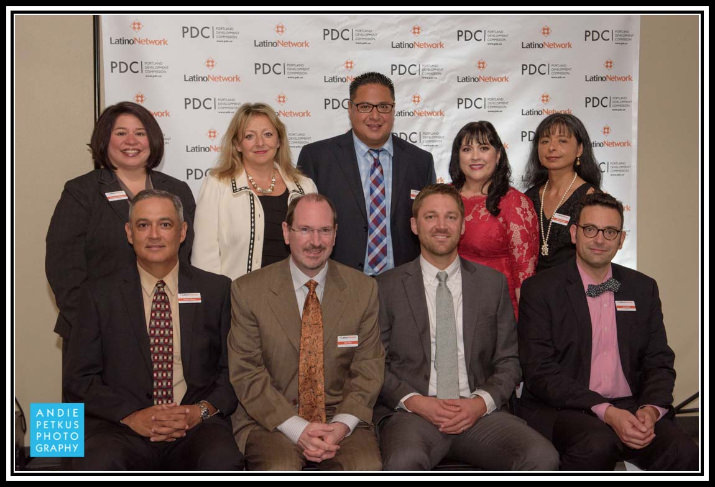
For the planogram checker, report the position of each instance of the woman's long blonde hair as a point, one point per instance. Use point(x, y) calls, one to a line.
point(230, 162)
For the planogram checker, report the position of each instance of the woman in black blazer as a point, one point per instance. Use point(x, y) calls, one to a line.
point(86, 238)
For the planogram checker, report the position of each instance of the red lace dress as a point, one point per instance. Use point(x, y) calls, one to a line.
point(508, 243)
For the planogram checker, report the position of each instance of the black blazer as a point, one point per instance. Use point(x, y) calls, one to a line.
point(87, 240)
point(109, 366)
point(332, 165)
point(489, 334)
point(555, 340)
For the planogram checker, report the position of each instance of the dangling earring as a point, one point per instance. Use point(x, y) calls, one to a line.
point(578, 161)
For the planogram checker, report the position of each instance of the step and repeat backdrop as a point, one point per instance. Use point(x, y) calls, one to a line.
point(194, 71)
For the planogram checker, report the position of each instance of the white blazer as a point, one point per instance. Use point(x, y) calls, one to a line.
point(229, 224)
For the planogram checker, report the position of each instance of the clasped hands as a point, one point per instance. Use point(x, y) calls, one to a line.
point(164, 422)
point(634, 430)
point(451, 416)
point(321, 441)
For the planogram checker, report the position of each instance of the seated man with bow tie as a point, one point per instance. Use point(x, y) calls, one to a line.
point(304, 353)
point(598, 372)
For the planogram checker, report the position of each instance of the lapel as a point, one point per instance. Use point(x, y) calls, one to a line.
point(283, 303)
point(577, 300)
point(470, 310)
point(108, 183)
point(625, 320)
point(399, 179)
point(415, 291)
point(333, 303)
point(348, 163)
point(131, 292)
point(189, 315)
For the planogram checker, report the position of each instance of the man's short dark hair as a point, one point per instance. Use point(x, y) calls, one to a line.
point(158, 193)
point(437, 188)
point(371, 78)
point(598, 198)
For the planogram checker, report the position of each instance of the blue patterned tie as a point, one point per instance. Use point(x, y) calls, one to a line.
point(377, 217)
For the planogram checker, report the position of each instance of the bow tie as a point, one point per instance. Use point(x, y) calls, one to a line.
point(595, 290)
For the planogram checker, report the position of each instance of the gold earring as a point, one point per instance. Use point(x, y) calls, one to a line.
point(578, 161)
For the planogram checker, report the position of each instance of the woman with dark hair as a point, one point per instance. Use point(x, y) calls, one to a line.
point(86, 238)
point(500, 222)
point(560, 171)
point(243, 200)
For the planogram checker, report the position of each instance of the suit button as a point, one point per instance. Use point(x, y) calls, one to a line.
point(360, 264)
point(148, 396)
point(364, 229)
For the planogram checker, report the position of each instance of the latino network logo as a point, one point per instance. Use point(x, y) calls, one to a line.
point(202, 147)
point(348, 66)
point(481, 76)
point(210, 63)
point(282, 100)
point(545, 41)
point(609, 141)
point(416, 31)
point(139, 98)
point(545, 104)
point(608, 76)
point(417, 112)
point(212, 134)
point(280, 30)
point(135, 39)
point(481, 65)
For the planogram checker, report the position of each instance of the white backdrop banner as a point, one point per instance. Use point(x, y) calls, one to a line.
point(194, 71)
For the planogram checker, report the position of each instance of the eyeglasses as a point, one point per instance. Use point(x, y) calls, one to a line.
point(324, 232)
point(591, 231)
point(367, 107)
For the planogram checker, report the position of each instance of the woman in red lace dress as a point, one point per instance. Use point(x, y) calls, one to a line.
point(501, 227)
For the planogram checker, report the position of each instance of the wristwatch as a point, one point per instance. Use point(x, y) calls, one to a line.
point(204, 410)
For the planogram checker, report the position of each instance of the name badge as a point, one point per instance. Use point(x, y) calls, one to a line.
point(560, 219)
point(189, 298)
point(414, 193)
point(116, 196)
point(625, 305)
point(347, 341)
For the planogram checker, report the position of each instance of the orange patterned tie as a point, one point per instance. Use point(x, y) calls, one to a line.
point(311, 380)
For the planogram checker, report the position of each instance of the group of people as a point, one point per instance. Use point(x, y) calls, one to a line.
point(351, 314)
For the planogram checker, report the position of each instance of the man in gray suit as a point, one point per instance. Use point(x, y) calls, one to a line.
point(440, 306)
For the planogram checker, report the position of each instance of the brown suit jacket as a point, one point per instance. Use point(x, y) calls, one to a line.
point(264, 346)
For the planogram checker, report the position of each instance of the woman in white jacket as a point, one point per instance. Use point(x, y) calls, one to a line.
point(243, 200)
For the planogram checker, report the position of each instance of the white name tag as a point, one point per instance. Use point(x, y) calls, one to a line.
point(625, 305)
point(116, 196)
point(189, 298)
point(414, 193)
point(347, 341)
point(560, 219)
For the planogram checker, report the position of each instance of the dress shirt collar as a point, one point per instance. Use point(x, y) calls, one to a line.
point(148, 281)
point(586, 279)
point(362, 148)
point(429, 272)
point(299, 278)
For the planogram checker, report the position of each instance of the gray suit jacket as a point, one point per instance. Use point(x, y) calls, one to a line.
point(264, 346)
point(490, 340)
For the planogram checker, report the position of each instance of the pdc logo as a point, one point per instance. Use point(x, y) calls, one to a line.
point(126, 67)
point(193, 32)
point(464, 35)
point(337, 34)
point(336, 104)
point(199, 103)
point(268, 69)
point(598, 36)
point(597, 102)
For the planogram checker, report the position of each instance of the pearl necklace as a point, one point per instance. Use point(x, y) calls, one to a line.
point(258, 188)
point(545, 246)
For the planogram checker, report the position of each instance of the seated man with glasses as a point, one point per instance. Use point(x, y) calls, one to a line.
point(598, 371)
point(304, 353)
point(371, 176)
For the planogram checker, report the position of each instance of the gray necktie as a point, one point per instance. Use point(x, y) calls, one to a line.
point(446, 354)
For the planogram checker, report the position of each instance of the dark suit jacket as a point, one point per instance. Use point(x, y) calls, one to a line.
point(489, 334)
point(332, 165)
point(264, 346)
point(110, 367)
point(555, 341)
point(86, 238)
